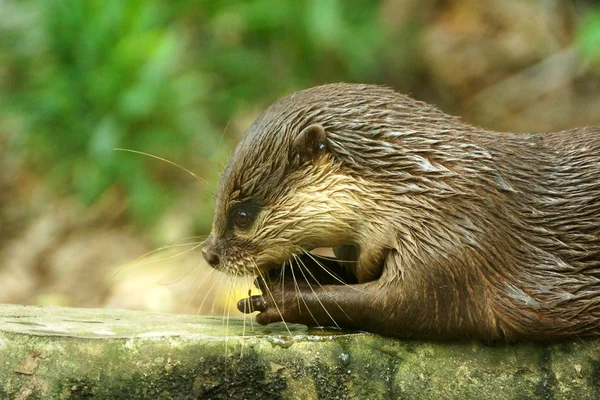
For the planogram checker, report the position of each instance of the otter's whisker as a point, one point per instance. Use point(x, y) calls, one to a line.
point(222, 135)
point(225, 321)
point(175, 243)
point(236, 285)
point(333, 258)
point(139, 264)
point(249, 283)
point(296, 287)
point(304, 267)
point(211, 276)
point(282, 287)
point(194, 284)
point(177, 280)
point(197, 245)
point(228, 309)
point(172, 245)
point(204, 182)
point(219, 290)
point(332, 274)
point(136, 264)
point(274, 302)
point(316, 280)
point(300, 297)
point(244, 327)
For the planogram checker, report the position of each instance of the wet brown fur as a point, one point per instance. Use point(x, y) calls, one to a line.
point(462, 232)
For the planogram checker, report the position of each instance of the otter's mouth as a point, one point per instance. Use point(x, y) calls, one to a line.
point(318, 266)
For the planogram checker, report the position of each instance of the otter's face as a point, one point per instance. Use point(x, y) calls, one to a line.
point(281, 194)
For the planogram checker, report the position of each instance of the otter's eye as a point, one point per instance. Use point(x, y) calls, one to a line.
point(241, 219)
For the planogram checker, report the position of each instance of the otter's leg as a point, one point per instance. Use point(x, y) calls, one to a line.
point(310, 304)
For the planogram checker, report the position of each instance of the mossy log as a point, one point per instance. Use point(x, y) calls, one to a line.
point(61, 353)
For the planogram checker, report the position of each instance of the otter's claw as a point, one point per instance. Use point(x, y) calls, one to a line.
point(251, 304)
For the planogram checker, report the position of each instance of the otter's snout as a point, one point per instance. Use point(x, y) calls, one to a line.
point(209, 251)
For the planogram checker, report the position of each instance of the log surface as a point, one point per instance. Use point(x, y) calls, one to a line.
point(62, 353)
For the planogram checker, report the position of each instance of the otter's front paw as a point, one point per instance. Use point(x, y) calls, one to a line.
point(273, 305)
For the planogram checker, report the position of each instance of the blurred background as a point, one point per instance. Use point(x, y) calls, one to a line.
point(183, 79)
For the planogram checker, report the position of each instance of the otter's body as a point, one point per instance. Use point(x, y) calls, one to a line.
point(449, 230)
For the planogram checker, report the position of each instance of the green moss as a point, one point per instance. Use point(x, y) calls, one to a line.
point(69, 354)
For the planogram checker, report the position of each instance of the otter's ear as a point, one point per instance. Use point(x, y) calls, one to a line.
point(311, 144)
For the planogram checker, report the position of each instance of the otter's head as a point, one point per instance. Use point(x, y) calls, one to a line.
point(319, 168)
point(282, 192)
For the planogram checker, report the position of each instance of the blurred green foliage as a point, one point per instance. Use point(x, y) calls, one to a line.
point(84, 77)
point(588, 36)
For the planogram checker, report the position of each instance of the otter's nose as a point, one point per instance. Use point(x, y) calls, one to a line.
point(211, 257)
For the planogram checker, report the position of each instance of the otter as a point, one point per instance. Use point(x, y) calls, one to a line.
point(441, 230)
